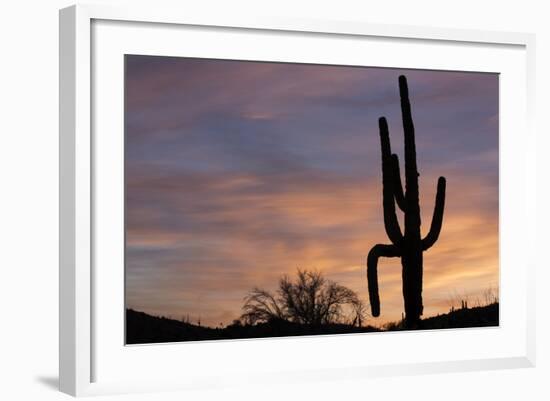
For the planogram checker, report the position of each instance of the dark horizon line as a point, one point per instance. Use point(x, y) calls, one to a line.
point(170, 317)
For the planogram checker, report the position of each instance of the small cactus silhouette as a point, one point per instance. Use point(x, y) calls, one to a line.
point(409, 246)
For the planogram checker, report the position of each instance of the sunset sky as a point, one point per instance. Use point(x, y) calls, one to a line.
point(238, 172)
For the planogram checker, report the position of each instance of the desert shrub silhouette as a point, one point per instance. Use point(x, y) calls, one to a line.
point(409, 245)
point(310, 299)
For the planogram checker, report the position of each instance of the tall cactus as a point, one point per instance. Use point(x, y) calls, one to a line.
point(409, 246)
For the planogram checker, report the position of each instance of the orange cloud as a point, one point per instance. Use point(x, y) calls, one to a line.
point(329, 225)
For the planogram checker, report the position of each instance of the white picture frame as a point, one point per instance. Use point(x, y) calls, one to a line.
point(86, 353)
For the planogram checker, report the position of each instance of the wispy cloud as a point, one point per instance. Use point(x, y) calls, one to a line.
point(238, 172)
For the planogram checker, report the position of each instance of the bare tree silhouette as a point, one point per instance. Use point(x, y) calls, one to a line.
point(311, 299)
point(409, 246)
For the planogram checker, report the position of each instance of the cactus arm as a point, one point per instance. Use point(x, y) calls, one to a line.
point(437, 219)
point(377, 251)
point(397, 185)
point(391, 223)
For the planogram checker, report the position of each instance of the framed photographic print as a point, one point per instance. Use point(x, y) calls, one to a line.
point(273, 187)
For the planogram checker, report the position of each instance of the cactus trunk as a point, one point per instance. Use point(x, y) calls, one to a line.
point(411, 261)
point(409, 246)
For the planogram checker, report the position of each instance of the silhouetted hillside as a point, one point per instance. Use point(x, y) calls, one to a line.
point(480, 316)
point(142, 328)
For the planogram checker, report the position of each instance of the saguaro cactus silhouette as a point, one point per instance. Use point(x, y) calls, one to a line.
point(409, 245)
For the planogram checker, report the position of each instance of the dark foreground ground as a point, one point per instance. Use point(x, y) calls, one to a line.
point(142, 328)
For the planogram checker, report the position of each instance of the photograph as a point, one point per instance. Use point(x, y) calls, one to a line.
point(273, 199)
